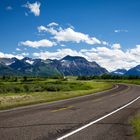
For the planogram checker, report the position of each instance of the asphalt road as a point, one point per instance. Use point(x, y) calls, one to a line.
point(54, 120)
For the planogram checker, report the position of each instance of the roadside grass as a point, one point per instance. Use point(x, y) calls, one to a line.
point(46, 91)
point(19, 93)
point(136, 126)
point(135, 122)
point(137, 81)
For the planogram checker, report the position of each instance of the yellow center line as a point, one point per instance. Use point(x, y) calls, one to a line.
point(113, 95)
point(64, 108)
point(96, 100)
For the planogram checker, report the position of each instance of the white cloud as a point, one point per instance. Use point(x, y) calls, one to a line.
point(116, 46)
point(69, 35)
point(33, 7)
point(118, 31)
point(109, 58)
point(18, 49)
point(42, 29)
point(57, 55)
point(37, 44)
point(9, 8)
point(105, 43)
point(25, 54)
point(7, 55)
point(52, 24)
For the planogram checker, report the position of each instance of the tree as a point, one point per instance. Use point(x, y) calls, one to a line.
point(24, 78)
point(3, 77)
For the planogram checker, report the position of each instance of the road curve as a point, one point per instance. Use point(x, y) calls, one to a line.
point(54, 120)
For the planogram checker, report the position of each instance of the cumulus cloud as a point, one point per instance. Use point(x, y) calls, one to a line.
point(116, 46)
point(58, 54)
point(69, 35)
point(105, 43)
point(42, 29)
point(37, 44)
point(52, 24)
point(33, 7)
point(7, 55)
point(109, 58)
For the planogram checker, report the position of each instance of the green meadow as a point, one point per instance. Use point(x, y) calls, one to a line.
point(25, 91)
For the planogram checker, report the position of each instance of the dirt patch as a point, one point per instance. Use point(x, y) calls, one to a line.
point(16, 98)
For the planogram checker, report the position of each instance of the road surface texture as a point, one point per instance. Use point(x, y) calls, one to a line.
point(54, 120)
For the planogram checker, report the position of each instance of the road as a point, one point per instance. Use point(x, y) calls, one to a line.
point(55, 120)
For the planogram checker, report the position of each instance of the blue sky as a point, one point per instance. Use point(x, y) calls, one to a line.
point(100, 30)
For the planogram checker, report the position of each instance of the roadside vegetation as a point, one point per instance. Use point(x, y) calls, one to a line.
point(112, 79)
point(109, 77)
point(136, 126)
point(18, 91)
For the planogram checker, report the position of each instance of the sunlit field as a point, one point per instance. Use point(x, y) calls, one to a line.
point(24, 90)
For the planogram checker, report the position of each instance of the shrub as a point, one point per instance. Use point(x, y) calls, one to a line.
point(53, 87)
point(26, 88)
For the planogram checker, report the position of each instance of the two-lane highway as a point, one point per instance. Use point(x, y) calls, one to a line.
point(75, 118)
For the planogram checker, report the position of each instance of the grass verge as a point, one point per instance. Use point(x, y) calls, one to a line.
point(136, 126)
point(67, 89)
point(137, 81)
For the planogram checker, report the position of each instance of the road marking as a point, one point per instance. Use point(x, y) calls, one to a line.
point(64, 108)
point(96, 100)
point(100, 99)
point(91, 123)
point(113, 95)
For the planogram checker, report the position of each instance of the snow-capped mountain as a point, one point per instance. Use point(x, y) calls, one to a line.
point(69, 65)
point(119, 72)
point(75, 65)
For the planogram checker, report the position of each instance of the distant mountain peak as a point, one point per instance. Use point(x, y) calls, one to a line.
point(69, 57)
point(74, 58)
point(28, 60)
point(119, 72)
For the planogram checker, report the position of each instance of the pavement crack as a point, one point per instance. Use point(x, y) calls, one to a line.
point(20, 126)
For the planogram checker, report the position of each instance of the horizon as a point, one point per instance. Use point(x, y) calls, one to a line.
point(102, 31)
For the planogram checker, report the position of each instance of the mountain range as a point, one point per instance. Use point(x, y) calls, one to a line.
point(69, 65)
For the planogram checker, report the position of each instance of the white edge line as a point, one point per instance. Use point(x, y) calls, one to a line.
point(89, 124)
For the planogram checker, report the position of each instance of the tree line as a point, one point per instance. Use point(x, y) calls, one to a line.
point(5, 78)
point(109, 76)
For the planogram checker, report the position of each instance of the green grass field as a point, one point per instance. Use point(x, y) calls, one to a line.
point(19, 93)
